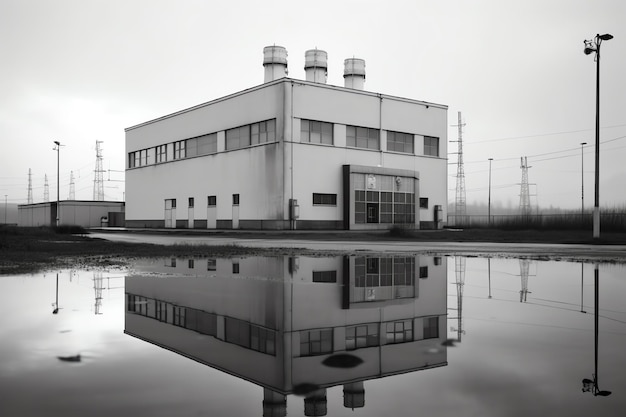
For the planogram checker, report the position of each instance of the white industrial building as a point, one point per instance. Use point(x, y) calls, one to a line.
point(291, 154)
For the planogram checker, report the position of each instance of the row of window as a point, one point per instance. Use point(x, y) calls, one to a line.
point(318, 199)
point(320, 341)
point(384, 207)
point(237, 331)
point(311, 131)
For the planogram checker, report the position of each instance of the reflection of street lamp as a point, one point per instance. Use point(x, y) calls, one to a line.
point(5, 209)
point(582, 181)
point(582, 283)
point(57, 148)
point(56, 303)
point(594, 46)
point(489, 199)
point(591, 385)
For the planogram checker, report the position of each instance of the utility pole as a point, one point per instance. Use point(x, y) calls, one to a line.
point(58, 149)
point(524, 196)
point(98, 179)
point(30, 187)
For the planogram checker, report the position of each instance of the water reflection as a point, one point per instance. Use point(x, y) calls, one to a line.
point(296, 325)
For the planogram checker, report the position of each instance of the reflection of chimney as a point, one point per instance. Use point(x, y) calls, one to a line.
point(274, 404)
point(354, 73)
point(315, 403)
point(354, 395)
point(316, 65)
point(274, 62)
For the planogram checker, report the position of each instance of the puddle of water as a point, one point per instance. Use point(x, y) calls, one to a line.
point(316, 336)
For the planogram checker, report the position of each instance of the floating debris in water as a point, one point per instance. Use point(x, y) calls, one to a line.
point(75, 358)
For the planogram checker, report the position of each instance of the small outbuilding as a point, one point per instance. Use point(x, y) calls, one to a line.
point(72, 212)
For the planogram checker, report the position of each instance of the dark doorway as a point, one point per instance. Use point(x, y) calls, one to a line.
point(372, 212)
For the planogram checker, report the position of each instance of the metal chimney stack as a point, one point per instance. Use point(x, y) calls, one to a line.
point(274, 62)
point(354, 73)
point(316, 65)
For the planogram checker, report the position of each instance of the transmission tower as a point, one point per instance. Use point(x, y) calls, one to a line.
point(98, 180)
point(30, 187)
point(524, 196)
point(72, 187)
point(46, 189)
point(459, 202)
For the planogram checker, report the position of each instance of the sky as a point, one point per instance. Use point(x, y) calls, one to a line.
point(81, 71)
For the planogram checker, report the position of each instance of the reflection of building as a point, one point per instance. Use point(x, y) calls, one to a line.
point(291, 154)
point(277, 327)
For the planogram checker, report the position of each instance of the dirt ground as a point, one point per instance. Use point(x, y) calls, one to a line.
point(33, 250)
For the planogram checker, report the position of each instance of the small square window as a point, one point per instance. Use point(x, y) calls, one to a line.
point(423, 203)
point(235, 199)
point(211, 201)
point(191, 202)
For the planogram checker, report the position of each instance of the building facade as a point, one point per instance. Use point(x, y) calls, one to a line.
point(291, 154)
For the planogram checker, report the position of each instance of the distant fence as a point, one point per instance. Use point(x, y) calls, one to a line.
point(609, 221)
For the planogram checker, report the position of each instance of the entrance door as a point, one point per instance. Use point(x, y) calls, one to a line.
point(372, 212)
point(235, 211)
point(170, 213)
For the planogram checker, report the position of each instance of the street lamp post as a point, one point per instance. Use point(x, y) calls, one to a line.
point(594, 46)
point(489, 198)
point(5, 209)
point(582, 181)
point(58, 148)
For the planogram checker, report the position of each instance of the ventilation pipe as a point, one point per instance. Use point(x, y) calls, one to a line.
point(354, 73)
point(316, 65)
point(274, 62)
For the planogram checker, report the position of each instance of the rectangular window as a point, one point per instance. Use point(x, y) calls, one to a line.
point(399, 142)
point(207, 144)
point(191, 263)
point(161, 153)
point(235, 267)
point(191, 200)
point(324, 199)
point(131, 160)
point(212, 201)
point(324, 276)
point(360, 207)
point(423, 203)
point(362, 336)
point(431, 146)
point(161, 310)
point(316, 342)
point(431, 327)
point(179, 149)
point(362, 137)
point(399, 331)
point(316, 132)
point(179, 316)
point(235, 199)
point(238, 137)
point(263, 132)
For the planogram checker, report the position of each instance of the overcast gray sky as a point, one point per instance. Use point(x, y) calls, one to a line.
point(78, 71)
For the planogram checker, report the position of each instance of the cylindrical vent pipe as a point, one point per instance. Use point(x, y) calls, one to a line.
point(354, 73)
point(316, 65)
point(274, 62)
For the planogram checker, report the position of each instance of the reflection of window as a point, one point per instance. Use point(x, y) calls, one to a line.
point(161, 311)
point(236, 268)
point(179, 316)
point(316, 342)
point(431, 327)
point(399, 331)
point(211, 265)
point(365, 335)
point(423, 272)
point(191, 263)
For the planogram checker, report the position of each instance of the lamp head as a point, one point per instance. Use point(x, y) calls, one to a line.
point(56, 142)
point(589, 50)
point(606, 37)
